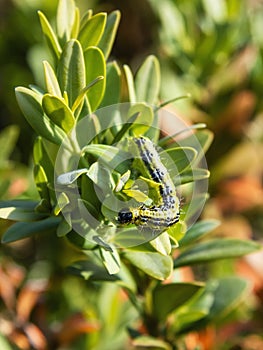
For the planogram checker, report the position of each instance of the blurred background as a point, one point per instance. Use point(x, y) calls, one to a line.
point(210, 49)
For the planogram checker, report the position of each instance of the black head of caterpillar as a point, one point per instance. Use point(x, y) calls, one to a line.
point(166, 211)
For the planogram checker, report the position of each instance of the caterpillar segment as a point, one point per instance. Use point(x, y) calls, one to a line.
point(166, 212)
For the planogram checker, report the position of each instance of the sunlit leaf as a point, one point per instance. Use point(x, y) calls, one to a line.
point(153, 264)
point(57, 110)
point(92, 30)
point(50, 36)
point(51, 81)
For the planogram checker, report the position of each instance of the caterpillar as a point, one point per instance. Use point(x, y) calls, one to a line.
point(165, 213)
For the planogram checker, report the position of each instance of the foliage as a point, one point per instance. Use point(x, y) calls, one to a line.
point(78, 151)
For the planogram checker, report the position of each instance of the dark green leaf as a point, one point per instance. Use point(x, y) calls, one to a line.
point(198, 230)
point(18, 212)
point(168, 297)
point(108, 37)
point(215, 249)
point(22, 230)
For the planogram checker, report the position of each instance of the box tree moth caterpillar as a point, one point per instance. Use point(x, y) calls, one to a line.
point(165, 213)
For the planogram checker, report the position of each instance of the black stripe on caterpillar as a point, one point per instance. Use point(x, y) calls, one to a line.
point(166, 212)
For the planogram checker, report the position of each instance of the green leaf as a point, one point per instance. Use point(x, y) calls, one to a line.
point(109, 34)
point(41, 182)
point(214, 250)
point(229, 293)
point(153, 264)
point(57, 110)
point(8, 138)
point(196, 309)
point(130, 83)
point(95, 67)
point(71, 176)
point(147, 81)
point(169, 297)
point(71, 70)
point(22, 230)
point(152, 343)
point(50, 37)
point(200, 140)
point(18, 213)
point(90, 271)
point(84, 19)
point(51, 81)
point(81, 97)
point(63, 228)
point(65, 19)
point(92, 31)
point(111, 156)
point(113, 85)
point(198, 230)
point(178, 159)
point(62, 202)
point(191, 175)
point(111, 260)
point(30, 105)
point(42, 157)
point(162, 244)
point(143, 120)
point(100, 176)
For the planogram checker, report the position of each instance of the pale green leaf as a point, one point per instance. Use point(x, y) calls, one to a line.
point(65, 19)
point(71, 70)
